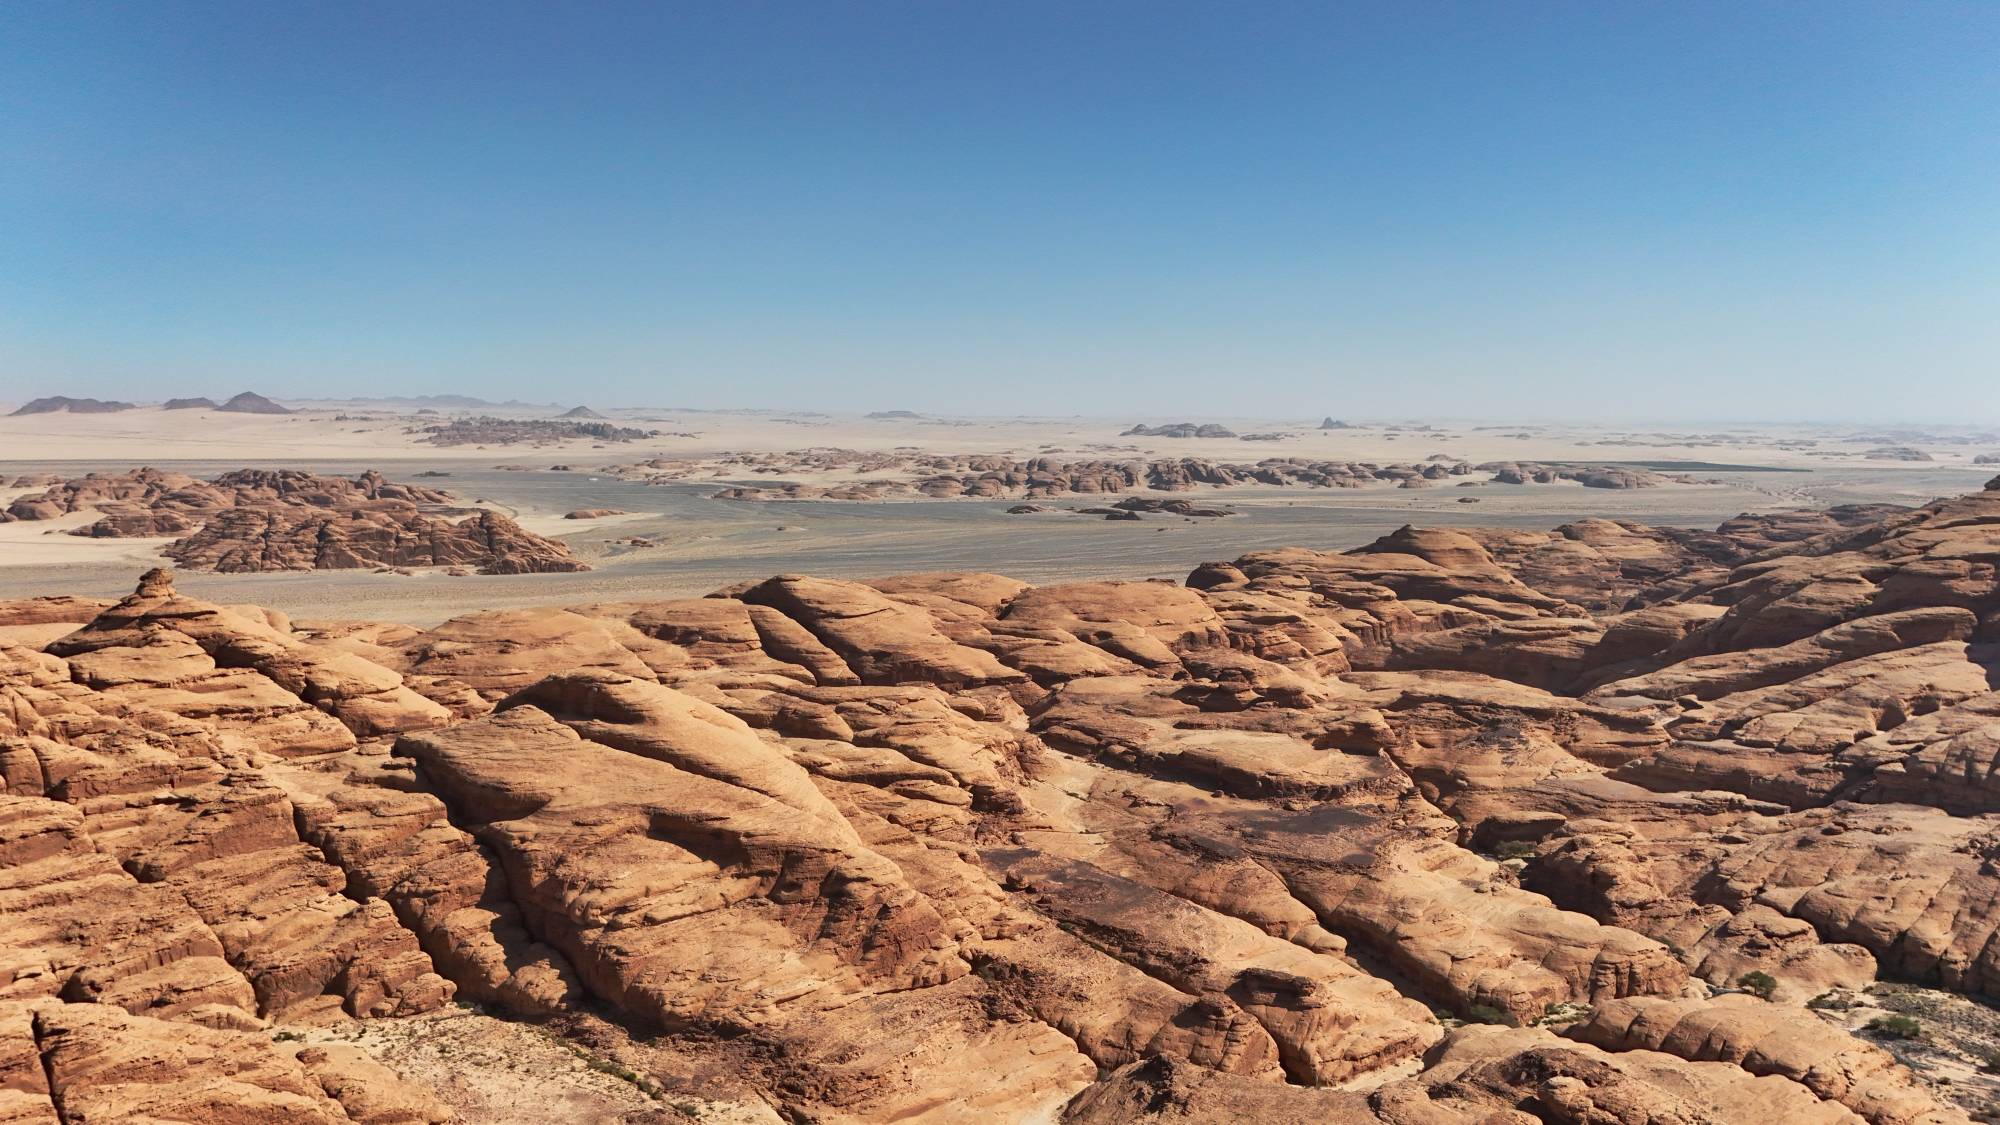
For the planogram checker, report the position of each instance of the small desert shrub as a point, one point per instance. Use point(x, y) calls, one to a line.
point(1562, 1014)
point(1895, 1027)
point(1758, 984)
point(1829, 1002)
point(1515, 849)
point(1487, 1013)
point(614, 1068)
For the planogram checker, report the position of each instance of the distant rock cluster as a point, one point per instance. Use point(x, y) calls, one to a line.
point(516, 431)
point(1180, 430)
point(989, 477)
point(1589, 476)
point(1001, 478)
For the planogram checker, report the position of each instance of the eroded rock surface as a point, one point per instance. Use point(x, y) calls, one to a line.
point(1464, 826)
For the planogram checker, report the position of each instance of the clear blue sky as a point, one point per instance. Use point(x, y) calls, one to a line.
point(1612, 208)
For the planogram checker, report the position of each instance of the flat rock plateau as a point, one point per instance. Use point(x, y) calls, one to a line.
point(1609, 824)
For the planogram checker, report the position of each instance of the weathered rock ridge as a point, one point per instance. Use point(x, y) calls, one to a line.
point(288, 519)
point(1461, 827)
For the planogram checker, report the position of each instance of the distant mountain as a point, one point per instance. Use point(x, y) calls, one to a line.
point(1334, 424)
point(581, 412)
point(63, 404)
point(188, 404)
point(250, 402)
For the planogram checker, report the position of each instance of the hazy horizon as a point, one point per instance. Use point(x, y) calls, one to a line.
point(1152, 417)
point(1685, 215)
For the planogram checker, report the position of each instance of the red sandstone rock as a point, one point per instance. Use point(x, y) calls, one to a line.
point(286, 519)
point(949, 846)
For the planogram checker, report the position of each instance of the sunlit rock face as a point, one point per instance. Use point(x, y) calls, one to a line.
point(1311, 836)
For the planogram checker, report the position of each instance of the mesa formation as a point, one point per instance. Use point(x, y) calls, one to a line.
point(1606, 824)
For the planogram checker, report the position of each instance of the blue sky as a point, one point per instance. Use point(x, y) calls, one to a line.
point(1511, 210)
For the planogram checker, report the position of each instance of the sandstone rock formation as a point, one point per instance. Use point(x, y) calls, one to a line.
point(1463, 826)
point(288, 519)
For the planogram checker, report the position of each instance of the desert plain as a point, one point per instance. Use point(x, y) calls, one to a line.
point(399, 762)
point(693, 543)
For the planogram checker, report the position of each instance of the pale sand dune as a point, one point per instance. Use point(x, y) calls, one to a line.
point(47, 543)
point(35, 636)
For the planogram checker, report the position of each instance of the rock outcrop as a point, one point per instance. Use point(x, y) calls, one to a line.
point(1462, 826)
point(529, 431)
point(288, 519)
point(1180, 430)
